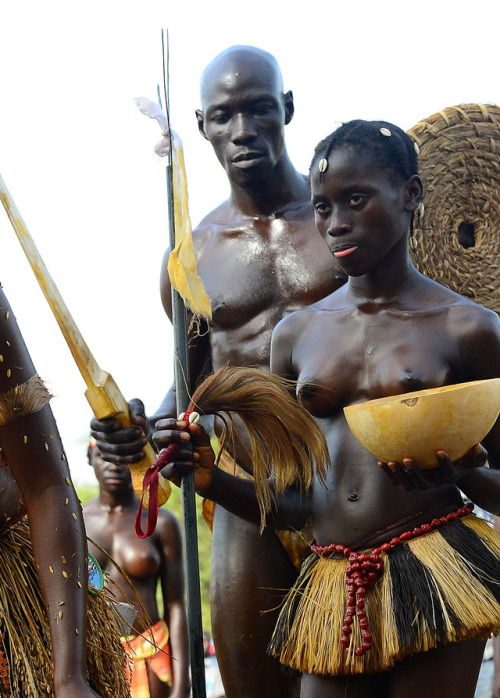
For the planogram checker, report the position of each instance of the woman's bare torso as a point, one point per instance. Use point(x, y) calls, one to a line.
point(139, 559)
point(349, 353)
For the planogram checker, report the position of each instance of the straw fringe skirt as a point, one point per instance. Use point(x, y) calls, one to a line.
point(26, 667)
point(439, 588)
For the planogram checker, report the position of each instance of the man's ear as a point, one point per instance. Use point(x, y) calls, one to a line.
point(289, 106)
point(414, 193)
point(200, 118)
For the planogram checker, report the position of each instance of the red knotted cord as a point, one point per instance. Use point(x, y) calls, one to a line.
point(364, 569)
point(151, 481)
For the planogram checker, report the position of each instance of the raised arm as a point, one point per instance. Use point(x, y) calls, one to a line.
point(31, 446)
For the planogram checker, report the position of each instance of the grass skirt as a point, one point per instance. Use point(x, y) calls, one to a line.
point(26, 667)
point(438, 588)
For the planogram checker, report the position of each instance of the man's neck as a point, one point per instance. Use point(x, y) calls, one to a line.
point(285, 189)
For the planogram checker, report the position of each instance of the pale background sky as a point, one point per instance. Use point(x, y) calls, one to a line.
point(78, 157)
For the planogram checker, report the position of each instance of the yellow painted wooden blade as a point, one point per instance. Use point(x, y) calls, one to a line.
point(102, 393)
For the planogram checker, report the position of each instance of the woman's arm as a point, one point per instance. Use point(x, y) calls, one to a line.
point(236, 495)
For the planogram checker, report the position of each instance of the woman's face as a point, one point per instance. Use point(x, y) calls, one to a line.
point(360, 210)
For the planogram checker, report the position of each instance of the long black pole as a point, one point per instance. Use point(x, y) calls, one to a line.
point(190, 538)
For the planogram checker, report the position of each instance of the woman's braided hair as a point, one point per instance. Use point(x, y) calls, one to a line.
point(394, 153)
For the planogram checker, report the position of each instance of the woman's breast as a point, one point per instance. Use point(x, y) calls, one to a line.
point(139, 559)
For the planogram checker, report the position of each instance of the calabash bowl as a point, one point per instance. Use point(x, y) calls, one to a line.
point(415, 425)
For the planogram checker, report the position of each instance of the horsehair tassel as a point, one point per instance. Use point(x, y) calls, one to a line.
point(286, 442)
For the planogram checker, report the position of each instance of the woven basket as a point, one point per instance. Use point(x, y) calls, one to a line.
point(458, 234)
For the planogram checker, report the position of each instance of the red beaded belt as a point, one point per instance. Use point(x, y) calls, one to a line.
point(364, 569)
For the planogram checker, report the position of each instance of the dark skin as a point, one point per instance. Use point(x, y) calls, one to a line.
point(260, 258)
point(110, 519)
point(389, 330)
point(46, 494)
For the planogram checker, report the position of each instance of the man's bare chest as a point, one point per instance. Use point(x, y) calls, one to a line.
point(249, 273)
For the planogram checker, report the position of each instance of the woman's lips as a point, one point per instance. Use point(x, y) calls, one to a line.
point(346, 251)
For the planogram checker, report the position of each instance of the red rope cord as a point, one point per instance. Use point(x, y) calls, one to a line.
point(151, 480)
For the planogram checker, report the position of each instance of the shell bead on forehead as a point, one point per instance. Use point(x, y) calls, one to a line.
point(322, 165)
point(385, 131)
point(416, 148)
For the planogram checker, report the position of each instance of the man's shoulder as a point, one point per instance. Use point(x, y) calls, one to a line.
point(218, 217)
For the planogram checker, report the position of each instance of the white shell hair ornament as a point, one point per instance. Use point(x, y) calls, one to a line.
point(416, 148)
point(385, 131)
point(322, 165)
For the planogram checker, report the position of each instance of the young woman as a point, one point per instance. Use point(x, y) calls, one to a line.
point(158, 645)
point(403, 584)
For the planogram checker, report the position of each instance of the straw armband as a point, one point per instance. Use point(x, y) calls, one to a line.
point(23, 400)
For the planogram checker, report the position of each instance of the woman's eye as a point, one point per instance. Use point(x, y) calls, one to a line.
point(356, 199)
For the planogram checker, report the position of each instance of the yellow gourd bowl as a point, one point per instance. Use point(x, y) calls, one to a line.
point(416, 425)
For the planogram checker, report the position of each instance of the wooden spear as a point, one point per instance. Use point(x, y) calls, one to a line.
point(103, 394)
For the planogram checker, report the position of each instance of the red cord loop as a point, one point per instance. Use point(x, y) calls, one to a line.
point(151, 480)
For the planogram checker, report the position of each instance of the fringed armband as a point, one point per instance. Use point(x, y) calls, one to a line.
point(24, 399)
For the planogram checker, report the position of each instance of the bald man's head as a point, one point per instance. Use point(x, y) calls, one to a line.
point(229, 64)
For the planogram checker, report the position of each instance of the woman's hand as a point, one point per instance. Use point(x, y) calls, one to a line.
point(194, 456)
point(411, 477)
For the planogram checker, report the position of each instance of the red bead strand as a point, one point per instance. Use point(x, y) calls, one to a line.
point(364, 569)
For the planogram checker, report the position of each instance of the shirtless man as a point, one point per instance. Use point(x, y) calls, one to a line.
point(109, 520)
point(259, 257)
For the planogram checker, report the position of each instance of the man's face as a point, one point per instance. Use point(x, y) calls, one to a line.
point(244, 114)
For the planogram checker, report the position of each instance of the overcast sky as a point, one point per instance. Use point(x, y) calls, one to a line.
point(78, 157)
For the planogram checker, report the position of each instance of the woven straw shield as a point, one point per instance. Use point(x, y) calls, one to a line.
point(458, 233)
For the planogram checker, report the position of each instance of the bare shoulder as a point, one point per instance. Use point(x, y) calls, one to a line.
point(91, 507)
point(219, 218)
point(168, 524)
point(300, 320)
point(469, 319)
point(477, 331)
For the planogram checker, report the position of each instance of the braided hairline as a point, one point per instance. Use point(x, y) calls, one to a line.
point(395, 152)
point(23, 400)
